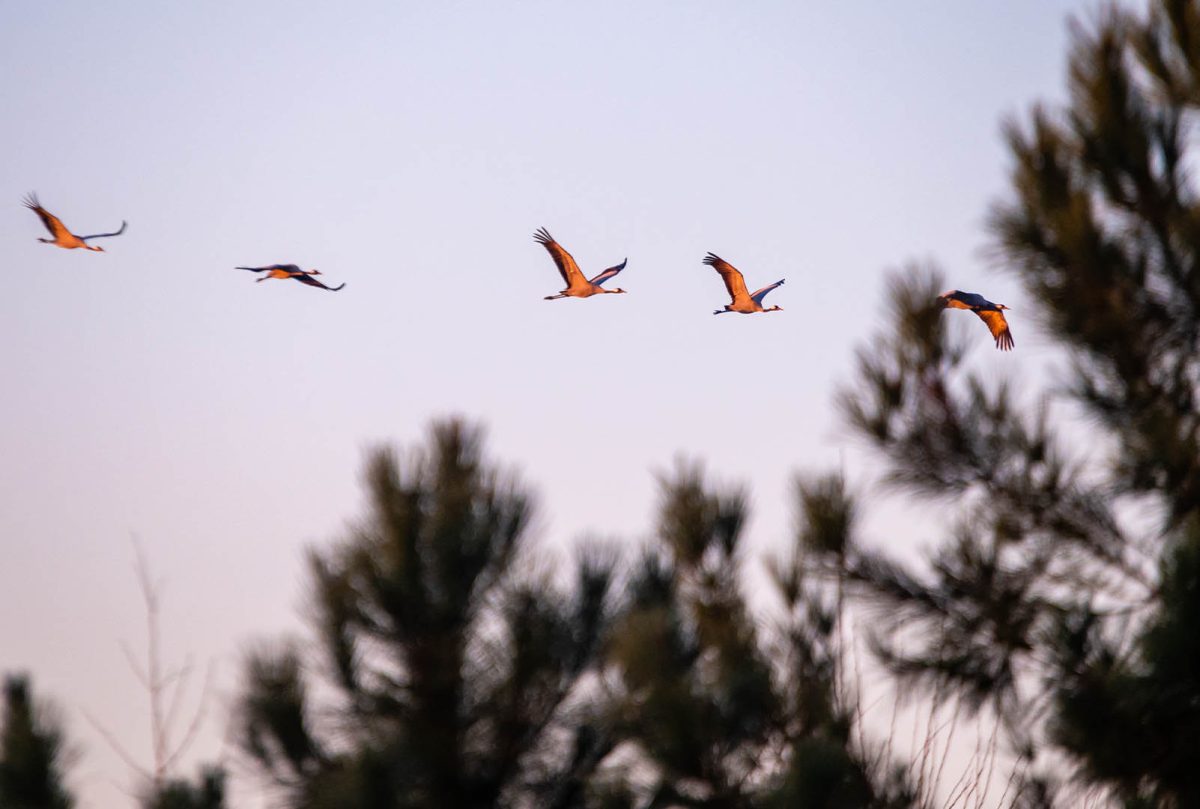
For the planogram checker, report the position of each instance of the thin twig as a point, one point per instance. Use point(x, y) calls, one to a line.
point(197, 720)
point(115, 745)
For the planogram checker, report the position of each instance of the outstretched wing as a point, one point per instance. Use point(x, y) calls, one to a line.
point(998, 326)
point(562, 259)
point(284, 267)
point(313, 282)
point(53, 223)
point(956, 299)
point(104, 235)
point(734, 283)
point(609, 273)
point(762, 293)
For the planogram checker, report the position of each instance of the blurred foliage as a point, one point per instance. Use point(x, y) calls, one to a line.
point(207, 793)
point(33, 754)
point(449, 671)
point(1054, 600)
point(455, 676)
point(722, 710)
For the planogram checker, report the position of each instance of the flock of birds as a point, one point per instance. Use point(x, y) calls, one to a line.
point(578, 285)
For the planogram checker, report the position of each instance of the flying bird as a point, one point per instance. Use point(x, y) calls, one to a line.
point(63, 237)
point(577, 285)
point(990, 313)
point(291, 271)
point(742, 301)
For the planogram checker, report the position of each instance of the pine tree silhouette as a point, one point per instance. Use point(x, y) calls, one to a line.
point(33, 755)
point(457, 672)
point(1064, 596)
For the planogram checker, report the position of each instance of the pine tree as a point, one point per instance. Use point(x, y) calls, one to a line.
point(456, 673)
point(208, 792)
point(32, 752)
point(1066, 594)
point(724, 711)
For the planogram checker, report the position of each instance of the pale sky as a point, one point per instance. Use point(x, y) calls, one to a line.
point(410, 150)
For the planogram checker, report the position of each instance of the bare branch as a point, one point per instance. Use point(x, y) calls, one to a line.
point(116, 746)
point(134, 666)
point(197, 720)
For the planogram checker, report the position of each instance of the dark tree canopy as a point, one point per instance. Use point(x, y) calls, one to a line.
point(449, 674)
point(208, 792)
point(457, 675)
point(32, 752)
point(1055, 599)
point(725, 710)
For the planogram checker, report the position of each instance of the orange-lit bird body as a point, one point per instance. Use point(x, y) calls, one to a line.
point(63, 237)
point(741, 301)
point(992, 314)
point(577, 285)
point(282, 271)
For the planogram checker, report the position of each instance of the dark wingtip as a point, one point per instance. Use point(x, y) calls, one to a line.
point(542, 236)
point(711, 258)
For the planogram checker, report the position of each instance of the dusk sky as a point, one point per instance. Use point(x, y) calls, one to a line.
point(410, 151)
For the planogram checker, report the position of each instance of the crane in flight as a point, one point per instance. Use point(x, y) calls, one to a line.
point(291, 271)
point(992, 314)
point(63, 237)
point(741, 300)
point(577, 285)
